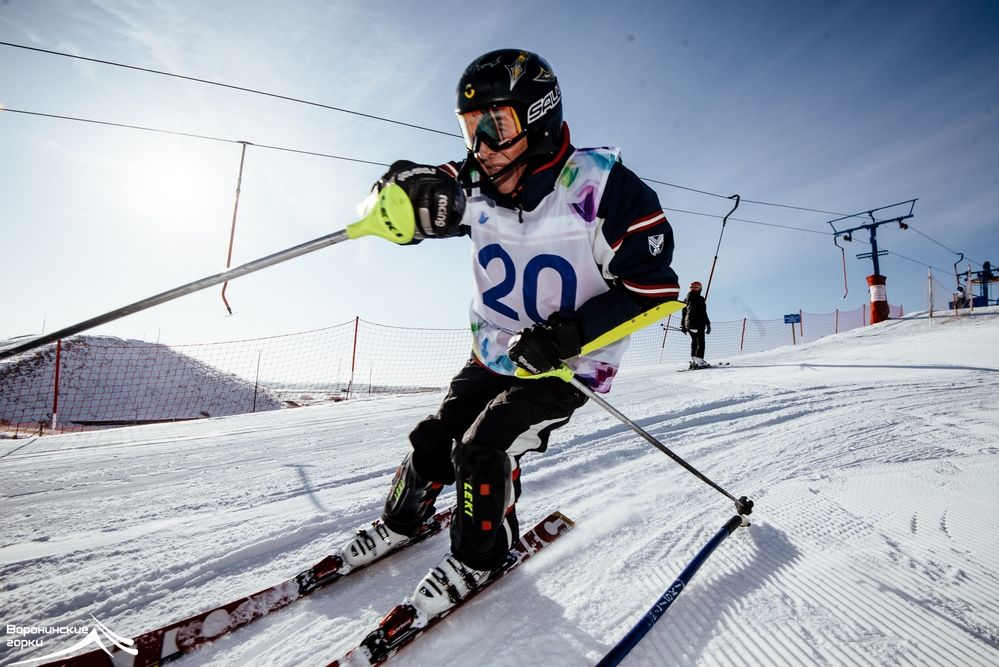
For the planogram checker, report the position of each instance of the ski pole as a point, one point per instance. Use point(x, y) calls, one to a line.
point(743, 505)
point(391, 218)
point(630, 640)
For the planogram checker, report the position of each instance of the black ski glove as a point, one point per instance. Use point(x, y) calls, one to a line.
point(707, 329)
point(683, 330)
point(542, 347)
point(438, 200)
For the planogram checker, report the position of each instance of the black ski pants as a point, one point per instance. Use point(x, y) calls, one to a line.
point(696, 343)
point(485, 424)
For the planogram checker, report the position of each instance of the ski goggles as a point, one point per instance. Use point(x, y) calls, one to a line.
point(496, 127)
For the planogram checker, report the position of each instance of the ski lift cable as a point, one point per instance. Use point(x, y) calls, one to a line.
point(383, 119)
point(205, 137)
point(229, 86)
point(189, 135)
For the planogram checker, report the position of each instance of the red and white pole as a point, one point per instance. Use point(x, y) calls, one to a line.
point(879, 298)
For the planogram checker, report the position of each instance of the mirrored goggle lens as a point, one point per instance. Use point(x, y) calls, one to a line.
point(496, 127)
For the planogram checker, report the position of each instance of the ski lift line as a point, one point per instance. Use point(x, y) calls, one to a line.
point(327, 155)
point(231, 87)
point(750, 222)
point(748, 201)
point(930, 238)
point(915, 261)
point(191, 135)
point(371, 162)
point(899, 255)
point(891, 252)
point(385, 164)
point(356, 113)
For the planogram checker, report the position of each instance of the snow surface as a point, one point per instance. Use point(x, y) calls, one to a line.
point(872, 456)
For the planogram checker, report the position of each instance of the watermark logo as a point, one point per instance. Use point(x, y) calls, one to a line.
point(99, 635)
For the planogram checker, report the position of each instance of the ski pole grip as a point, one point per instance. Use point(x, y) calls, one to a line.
point(619, 332)
point(391, 217)
point(744, 506)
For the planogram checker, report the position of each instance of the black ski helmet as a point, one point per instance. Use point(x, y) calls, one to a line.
point(524, 81)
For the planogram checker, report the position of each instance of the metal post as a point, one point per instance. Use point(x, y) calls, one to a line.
point(353, 357)
point(55, 389)
point(665, 331)
point(929, 293)
point(256, 383)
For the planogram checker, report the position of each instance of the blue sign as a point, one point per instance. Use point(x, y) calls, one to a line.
point(793, 318)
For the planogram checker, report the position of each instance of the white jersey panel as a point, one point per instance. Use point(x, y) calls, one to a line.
point(529, 265)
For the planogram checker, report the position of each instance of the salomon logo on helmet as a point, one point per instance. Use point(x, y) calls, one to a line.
point(544, 105)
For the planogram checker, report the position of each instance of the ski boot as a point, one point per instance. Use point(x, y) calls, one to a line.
point(409, 504)
point(446, 585)
point(370, 544)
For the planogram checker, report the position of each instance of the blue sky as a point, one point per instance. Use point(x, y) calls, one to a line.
point(836, 106)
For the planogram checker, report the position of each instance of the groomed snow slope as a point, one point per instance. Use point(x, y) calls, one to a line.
point(872, 456)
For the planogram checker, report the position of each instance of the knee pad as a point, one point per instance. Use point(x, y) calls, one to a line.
point(485, 523)
point(410, 501)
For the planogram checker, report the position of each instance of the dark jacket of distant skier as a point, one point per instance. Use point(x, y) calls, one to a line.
point(695, 314)
point(694, 322)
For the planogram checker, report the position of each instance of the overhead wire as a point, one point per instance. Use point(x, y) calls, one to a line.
point(386, 120)
point(930, 238)
point(190, 135)
point(207, 137)
point(748, 201)
point(353, 112)
point(229, 86)
point(897, 254)
point(751, 222)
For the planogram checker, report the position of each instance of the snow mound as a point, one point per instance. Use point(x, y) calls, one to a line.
point(110, 381)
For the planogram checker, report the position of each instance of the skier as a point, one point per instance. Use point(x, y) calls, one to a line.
point(567, 243)
point(694, 321)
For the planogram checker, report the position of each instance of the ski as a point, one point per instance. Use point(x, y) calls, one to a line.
point(398, 629)
point(176, 639)
point(720, 364)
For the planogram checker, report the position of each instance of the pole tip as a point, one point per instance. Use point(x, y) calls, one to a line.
point(744, 506)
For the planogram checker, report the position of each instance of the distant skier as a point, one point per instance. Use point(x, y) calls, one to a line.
point(567, 243)
point(694, 321)
point(960, 298)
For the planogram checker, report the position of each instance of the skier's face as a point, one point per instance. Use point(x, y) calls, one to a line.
point(492, 161)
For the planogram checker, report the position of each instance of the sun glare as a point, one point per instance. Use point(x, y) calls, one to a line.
point(175, 185)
